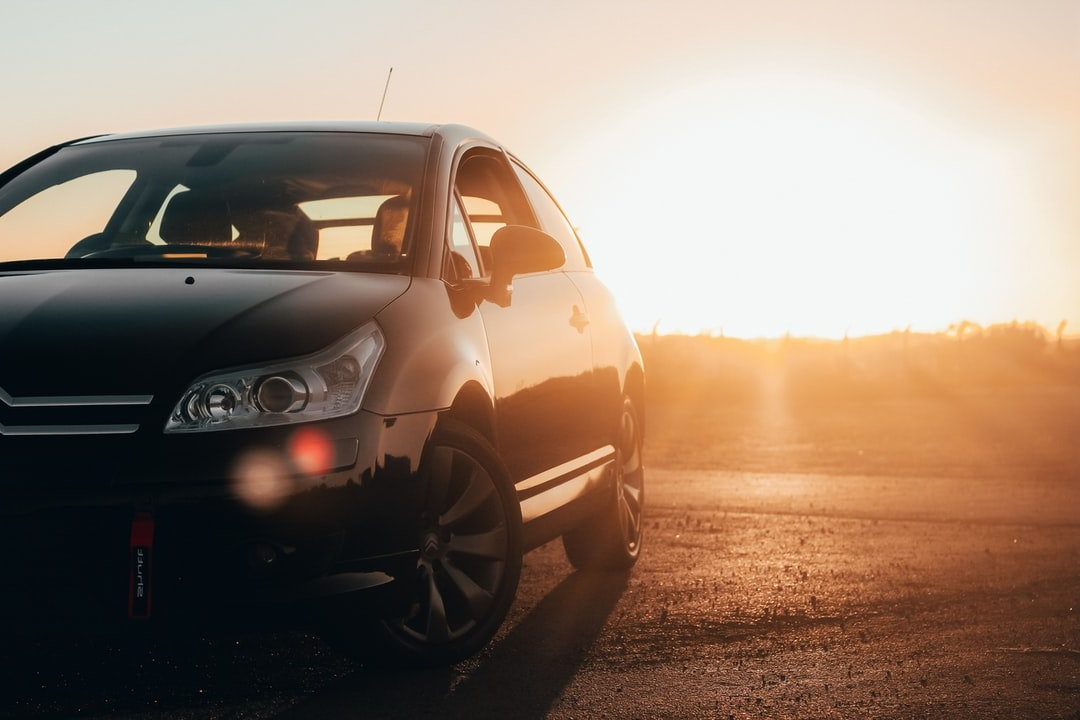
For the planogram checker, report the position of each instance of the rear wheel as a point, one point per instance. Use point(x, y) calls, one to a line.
point(469, 556)
point(612, 538)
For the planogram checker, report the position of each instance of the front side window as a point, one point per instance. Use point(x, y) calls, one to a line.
point(282, 199)
point(492, 198)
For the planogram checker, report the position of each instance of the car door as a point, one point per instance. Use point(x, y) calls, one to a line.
point(610, 339)
point(539, 341)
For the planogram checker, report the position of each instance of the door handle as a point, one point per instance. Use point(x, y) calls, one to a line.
point(579, 319)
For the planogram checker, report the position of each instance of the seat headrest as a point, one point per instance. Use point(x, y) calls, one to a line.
point(388, 232)
point(194, 218)
point(277, 234)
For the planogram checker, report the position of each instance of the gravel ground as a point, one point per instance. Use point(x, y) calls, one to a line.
point(758, 595)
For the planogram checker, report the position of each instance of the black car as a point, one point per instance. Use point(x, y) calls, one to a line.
point(333, 373)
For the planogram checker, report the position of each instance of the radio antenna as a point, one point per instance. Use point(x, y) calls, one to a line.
point(385, 88)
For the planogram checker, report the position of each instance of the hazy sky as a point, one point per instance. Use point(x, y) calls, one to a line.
point(757, 167)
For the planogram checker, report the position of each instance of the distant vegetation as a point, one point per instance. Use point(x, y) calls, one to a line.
point(1008, 355)
point(997, 401)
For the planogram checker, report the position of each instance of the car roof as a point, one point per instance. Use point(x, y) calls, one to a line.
point(450, 132)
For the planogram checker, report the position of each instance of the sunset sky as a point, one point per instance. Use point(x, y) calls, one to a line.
point(754, 167)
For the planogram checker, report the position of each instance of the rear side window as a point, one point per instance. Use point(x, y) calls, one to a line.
point(552, 220)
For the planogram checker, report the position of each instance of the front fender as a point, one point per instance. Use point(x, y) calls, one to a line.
point(435, 345)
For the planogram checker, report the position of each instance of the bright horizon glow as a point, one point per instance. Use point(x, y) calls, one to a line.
point(816, 207)
point(751, 168)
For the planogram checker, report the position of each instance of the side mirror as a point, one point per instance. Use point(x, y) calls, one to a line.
point(517, 249)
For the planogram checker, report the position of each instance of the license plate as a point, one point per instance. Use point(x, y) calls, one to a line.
point(142, 563)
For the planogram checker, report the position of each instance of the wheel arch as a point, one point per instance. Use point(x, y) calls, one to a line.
point(473, 406)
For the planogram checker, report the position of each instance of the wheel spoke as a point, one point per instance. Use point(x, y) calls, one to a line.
point(476, 492)
point(491, 544)
point(438, 629)
point(632, 496)
point(478, 598)
point(626, 517)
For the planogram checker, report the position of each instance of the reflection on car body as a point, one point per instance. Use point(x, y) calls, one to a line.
point(332, 373)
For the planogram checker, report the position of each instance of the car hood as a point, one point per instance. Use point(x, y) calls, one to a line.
point(142, 331)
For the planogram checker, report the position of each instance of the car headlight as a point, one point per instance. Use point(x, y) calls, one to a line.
point(325, 385)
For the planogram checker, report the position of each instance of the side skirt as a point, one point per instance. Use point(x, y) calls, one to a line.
point(556, 500)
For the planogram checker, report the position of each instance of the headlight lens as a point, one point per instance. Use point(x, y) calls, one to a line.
point(327, 384)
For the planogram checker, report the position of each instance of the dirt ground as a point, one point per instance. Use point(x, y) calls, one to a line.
point(900, 557)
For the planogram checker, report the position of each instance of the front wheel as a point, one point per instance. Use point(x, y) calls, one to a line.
point(469, 558)
point(612, 539)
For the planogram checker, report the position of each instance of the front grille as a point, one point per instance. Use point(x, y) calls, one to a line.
point(71, 415)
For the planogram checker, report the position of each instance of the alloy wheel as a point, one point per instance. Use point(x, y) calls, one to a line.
point(464, 550)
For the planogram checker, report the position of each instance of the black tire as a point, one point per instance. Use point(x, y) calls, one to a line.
point(611, 539)
point(469, 564)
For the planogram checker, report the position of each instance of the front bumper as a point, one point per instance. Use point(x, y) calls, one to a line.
point(228, 544)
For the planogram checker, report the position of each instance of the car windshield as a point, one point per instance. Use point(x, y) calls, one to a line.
point(293, 199)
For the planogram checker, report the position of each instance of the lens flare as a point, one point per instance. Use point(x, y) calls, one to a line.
point(260, 479)
point(311, 451)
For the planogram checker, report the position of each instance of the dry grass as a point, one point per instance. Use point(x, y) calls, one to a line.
point(1004, 401)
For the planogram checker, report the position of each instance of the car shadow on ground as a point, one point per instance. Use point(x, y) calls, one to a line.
point(521, 676)
point(293, 675)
